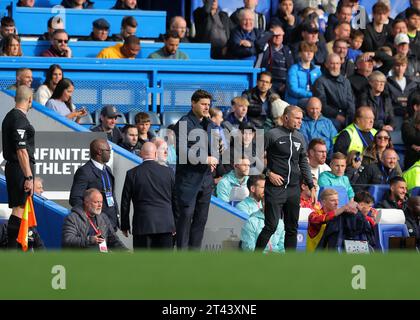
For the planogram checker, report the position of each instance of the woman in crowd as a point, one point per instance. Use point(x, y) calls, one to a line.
point(373, 153)
point(45, 91)
point(126, 5)
point(11, 46)
point(77, 4)
point(61, 101)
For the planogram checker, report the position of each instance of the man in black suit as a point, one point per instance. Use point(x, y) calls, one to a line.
point(193, 181)
point(150, 186)
point(96, 174)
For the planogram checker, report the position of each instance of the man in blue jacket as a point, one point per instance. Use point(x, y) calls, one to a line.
point(315, 125)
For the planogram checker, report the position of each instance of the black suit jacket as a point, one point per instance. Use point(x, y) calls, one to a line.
point(150, 186)
point(88, 176)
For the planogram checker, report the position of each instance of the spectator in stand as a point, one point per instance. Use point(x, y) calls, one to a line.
point(87, 227)
point(128, 28)
point(170, 49)
point(125, 5)
point(238, 115)
point(413, 24)
point(356, 41)
point(358, 135)
point(23, 78)
point(410, 133)
point(315, 125)
point(365, 204)
point(399, 86)
point(7, 27)
point(365, 64)
point(336, 177)
point(412, 176)
point(343, 14)
point(403, 48)
point(25, 3)
point(398, 26)
point(254, 201)
point(143, 123)
point(354, 166)
point(130, 138)
point(379, 100)
point(100, 31)
point(413, 104)
point(286, 18)
point(212, 26)
point(11, 46)
point(216, 131)
point(381, 172)
point(259, 99)
point(233, 185)
point(378, 31)
point(373, 153)
point(412, 218)
point(52, 78)
point(310, 35)
point(341, 47)
point(413, 4)
point(342, 32)
point(317, 155)
point(77, 4)
point(302, 76)
point(334, 91)
point(277, 58)
point(61, 101)
point(259, 22)
point(54, 23)
point(38, 186)
point(97, 174)
point(277, 109)
point(319, 218)
point(161, 151)
point(245, 41)
point(109, 115)
point(59, 45)
point(305, 195)
point(179, 25)
point(127, 50)
point(396, 197)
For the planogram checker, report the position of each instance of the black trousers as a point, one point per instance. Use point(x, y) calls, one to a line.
point(153, 241)
point(278, 201)
point(192, 220)
point(12, 232)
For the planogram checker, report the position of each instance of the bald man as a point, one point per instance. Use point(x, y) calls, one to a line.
point(96, 174)
point(150, 186)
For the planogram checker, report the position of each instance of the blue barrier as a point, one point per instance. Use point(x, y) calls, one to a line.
point(79, 22)
point(90, 49)
point(131, 84)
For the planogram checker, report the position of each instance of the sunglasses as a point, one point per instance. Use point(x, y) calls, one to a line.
point(382, 137)
point(61, 41)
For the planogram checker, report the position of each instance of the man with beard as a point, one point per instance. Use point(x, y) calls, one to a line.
point(59, 45)
point(86, 226)
point(96, 174)
point(317, 155)
point(108, 124)
point(130, 138)
point(396, 197)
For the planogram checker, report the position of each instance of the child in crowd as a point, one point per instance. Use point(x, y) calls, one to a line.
point(336, 177)
point(365, 205)
point(356, 41)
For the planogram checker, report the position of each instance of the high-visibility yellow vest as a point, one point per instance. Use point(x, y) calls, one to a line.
point(412, 176)
point(356, 142)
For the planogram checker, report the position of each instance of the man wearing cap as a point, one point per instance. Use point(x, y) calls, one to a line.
point(109, 115)
point(100, 31)
point(402, 46)
point(310, 34)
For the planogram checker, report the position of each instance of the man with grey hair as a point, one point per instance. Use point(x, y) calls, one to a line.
point(259, 18)
point(23, 78)
point(335, 93)
point(18, 138)
point(87, 228)
point(286, 161)
point(245, 40)
point(376, 97)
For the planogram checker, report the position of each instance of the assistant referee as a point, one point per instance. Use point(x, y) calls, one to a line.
point(286, 162)
point(18, 137)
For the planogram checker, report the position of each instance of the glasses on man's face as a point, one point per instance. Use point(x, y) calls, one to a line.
point(61, 40)
point(382, 137)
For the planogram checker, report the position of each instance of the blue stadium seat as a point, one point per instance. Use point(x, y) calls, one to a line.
point(86, 120)
point(343, 198)
point(234, 203)
point(384, 231)
point(302, 235)
point(171, 117)
point(415, 192)
point(378, 191)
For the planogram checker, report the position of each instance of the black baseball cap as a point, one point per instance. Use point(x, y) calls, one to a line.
point(308, 27)
point(101, 24)
point(110, 112)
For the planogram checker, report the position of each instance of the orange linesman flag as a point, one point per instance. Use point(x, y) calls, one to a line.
point(28, 221)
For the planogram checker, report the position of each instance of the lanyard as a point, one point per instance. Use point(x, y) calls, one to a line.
point(365, 144)
point(308, 75)
point(385, 174)
point(97, 231)
point(108, 186)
